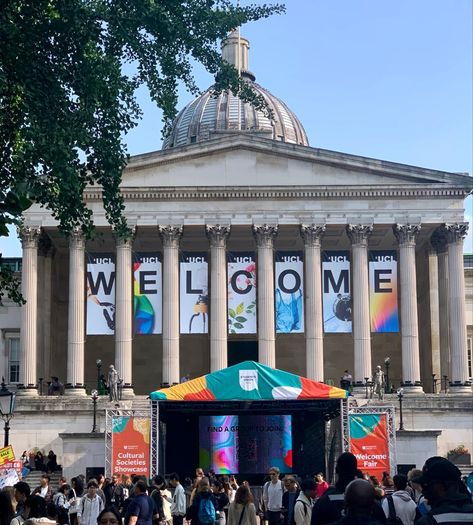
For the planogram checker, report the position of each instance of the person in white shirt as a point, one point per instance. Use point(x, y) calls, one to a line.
point(178, 502)
point(304, 502)
point(272, 497)
point(90, 506)
point(404, 506)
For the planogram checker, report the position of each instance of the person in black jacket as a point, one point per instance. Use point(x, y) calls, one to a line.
point(289, 499)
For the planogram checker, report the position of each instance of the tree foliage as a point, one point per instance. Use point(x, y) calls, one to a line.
point(67, 98)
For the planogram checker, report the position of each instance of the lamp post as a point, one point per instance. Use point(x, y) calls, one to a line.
point(400, 393)
point(387, 386)
point(7, 407)
point(366, 387)
point(95, 396)
point(99, 368)
point(434, 384)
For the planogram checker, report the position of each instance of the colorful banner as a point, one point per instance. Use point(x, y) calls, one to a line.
point(337, 303)
point(100, 294)
point(289, 290)
point(369, 442)
point(194, 293)
point(147, 293)
point(130, 445)
point(241, 293)
point(6, 454)
point(383, 291)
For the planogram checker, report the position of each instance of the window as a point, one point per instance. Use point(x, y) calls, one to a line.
point(13, 349)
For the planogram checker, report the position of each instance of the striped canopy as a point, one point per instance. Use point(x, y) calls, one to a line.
point(249, 381)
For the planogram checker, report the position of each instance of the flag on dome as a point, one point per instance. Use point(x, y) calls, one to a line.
point(248, 381)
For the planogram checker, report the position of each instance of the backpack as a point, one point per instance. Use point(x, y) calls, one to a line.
point(392, 518)
point(206, 514)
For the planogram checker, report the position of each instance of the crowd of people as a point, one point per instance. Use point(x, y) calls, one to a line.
point(435, 495)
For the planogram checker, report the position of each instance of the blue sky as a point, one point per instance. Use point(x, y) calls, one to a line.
point(389, 79)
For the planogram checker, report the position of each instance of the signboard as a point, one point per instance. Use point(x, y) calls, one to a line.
point(6, 454)
point(337, 303)
point(194, 293)
point(369, 442)
point(383, 291)
point(100, 294)
point(8, 478)
point(241, 293)
point(147, 293)
point(289, 290)
point(130, 445)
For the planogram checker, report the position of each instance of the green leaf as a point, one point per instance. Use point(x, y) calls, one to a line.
point(231, 313)
point(238, 325)
point(240, 308)
point(240, 319)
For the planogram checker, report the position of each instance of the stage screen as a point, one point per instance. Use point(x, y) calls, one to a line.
point(245, 444)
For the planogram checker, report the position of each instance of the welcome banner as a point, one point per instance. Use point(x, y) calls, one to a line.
point(100, 294)
point(369, 442)
point(147, 293)
point(337, 303)
point(241, 293)
point(383, 291)
point(130, 445)
point(289, 290)
point(194, 293)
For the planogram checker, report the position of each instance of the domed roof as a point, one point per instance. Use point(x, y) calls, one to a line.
point(211, 114)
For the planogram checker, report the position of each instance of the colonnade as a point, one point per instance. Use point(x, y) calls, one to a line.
point(448, 238)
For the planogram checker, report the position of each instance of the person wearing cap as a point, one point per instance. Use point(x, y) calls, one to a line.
point(442, 487)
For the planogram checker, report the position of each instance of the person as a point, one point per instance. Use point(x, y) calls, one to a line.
point(25, 458)
point(39, 461)
point(322, 485)
point(203, 510)
point(112, 383)
point(6, 508)
point(109, 516)
point(346, 380)
point(61, 500)
point(272, 497)
point(44, 489)
point(185, 378)
point(377, 487)
point(387, 484)
point(114, 493)
point(162, 500)
point(141, 509)
point(447, 496)
point(303, 506)
point(379, 382)
point(75, 495)
point(242, 510)
point(21, 492)
point(404, 507)
point(55, 388)
point(90, 506)
point(35, 507)
point(51, 465)
point(222, 501)
point(289, 498)
point(178, 505)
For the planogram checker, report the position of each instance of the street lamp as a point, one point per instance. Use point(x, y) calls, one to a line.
point(387, 387)
point(99, 367)
point(95, 396)
point(400, 393)
point(7, 407)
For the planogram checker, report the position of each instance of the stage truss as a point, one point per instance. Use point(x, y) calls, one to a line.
point(109, 415)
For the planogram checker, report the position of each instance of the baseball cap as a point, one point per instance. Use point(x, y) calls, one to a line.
point(439, 470)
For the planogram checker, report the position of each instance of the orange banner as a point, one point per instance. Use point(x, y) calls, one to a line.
point(130, 445)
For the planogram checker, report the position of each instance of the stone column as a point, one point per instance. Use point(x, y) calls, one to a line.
point(455, 233)
point(358, 235)
point(76, 314)
point(264, 236)
point(170, 237)
point(218, 235)
point(314, 331)
point(406, 236)
point(29, 236)
point(124, 313)
point(434, 316)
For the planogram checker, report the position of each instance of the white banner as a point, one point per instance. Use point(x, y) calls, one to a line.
point(100, 294)
point(289, 286)
point(336, 292)
point(194, 293)
point(241, 293)
point(147, 293)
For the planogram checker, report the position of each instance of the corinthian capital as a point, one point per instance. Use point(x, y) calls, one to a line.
point(76, 238)
point(126, 242)
point(217, 234)
point(170, 235)
point(359, 233)
point(312, 234)
point(265, 234)
point(439, 240)
point(29, 235)
point(406, 233)
point(455, 232)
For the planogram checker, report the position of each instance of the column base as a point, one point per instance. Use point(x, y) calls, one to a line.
point(360, 390)
point(460, 388)
point(127, 392)
point(412, 388)
point(74, 390)
point(27, 391)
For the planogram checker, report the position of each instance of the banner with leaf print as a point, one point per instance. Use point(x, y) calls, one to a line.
point(241, 293)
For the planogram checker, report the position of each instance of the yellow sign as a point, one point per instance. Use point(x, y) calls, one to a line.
point(6, 454)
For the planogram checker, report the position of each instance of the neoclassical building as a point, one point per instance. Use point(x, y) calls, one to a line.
point(249, 243)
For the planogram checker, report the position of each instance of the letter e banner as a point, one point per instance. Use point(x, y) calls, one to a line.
point(130, 445)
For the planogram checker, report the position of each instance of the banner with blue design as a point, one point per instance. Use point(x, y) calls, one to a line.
point(289, 291)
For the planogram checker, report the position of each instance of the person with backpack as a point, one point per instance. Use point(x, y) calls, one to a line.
point(304, 502)
point(289, 499)
point(399, 507)
point(203, 510)
point(272, 498)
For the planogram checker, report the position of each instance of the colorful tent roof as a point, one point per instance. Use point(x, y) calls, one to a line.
point(249, 381)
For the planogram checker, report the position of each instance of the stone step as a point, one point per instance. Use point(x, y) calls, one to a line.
point(466, 470)
point(34, 476)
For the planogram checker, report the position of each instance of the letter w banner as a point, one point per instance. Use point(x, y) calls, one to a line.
point(241, 293)
point(100, 294)
point(383, 291)
point(289, 289)
point(369, 442)
point(130, 445)
point(194, 293)
point(337, 303)
point(147, 293)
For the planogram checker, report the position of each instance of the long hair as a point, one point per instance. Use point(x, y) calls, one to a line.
point(243, 495)
point(6, 508)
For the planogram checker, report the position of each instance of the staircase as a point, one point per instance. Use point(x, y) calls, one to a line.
point(34, 477)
